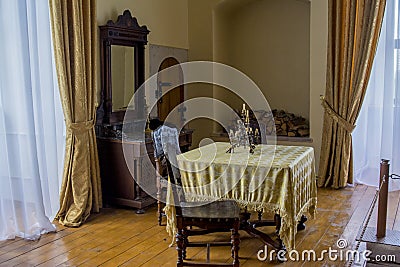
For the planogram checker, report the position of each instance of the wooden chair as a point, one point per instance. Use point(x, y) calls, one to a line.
point(162, 187)
point(162, 175)
point(194, 218)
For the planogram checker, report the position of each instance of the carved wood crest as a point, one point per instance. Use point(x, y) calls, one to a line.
point(127, 21)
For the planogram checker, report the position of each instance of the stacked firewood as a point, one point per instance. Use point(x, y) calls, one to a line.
point(286, 124)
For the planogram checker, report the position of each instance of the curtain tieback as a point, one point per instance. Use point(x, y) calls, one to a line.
point(336, 117)
point(81, 127)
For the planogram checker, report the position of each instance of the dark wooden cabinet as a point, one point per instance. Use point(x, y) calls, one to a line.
point(131, 181)
point(127, 178)
point(122, 45)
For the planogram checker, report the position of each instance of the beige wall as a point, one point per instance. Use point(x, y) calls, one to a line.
point(204, 45)
point(166, 20)
point(200, 48)
point(318, 57)
point(190, 24)
point(270, 42)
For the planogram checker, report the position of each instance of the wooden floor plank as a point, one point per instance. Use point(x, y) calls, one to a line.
point(106, 251)
point(23, 246)
point(76, 238)
point(116, 237)
point(393, 204)
point(74, 253)
point(396, 224)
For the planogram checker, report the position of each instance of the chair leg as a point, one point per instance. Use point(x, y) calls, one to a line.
point(179, 247)
point(159, 212)
point(235, 240)
point(185, 243)
point(159, 205)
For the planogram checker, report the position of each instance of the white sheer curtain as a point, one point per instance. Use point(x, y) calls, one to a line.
point(377, 135)
point(31, 121)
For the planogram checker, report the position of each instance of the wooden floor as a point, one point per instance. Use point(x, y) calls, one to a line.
point(119, 237)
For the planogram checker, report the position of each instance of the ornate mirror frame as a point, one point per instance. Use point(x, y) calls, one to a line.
point(124, 32)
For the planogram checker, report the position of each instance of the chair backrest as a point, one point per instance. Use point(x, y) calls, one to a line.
point(166, 143)
point(166, 148)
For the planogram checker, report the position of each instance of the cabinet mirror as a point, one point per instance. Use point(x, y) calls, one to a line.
point(123, 76)
point(122, 45)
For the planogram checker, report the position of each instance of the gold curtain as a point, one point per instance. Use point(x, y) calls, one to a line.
point(354, 27)
point(74, 30)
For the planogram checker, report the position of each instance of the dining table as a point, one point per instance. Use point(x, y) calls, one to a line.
point(270, 178)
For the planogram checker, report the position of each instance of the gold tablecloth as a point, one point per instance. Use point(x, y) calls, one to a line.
point(280, 179)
